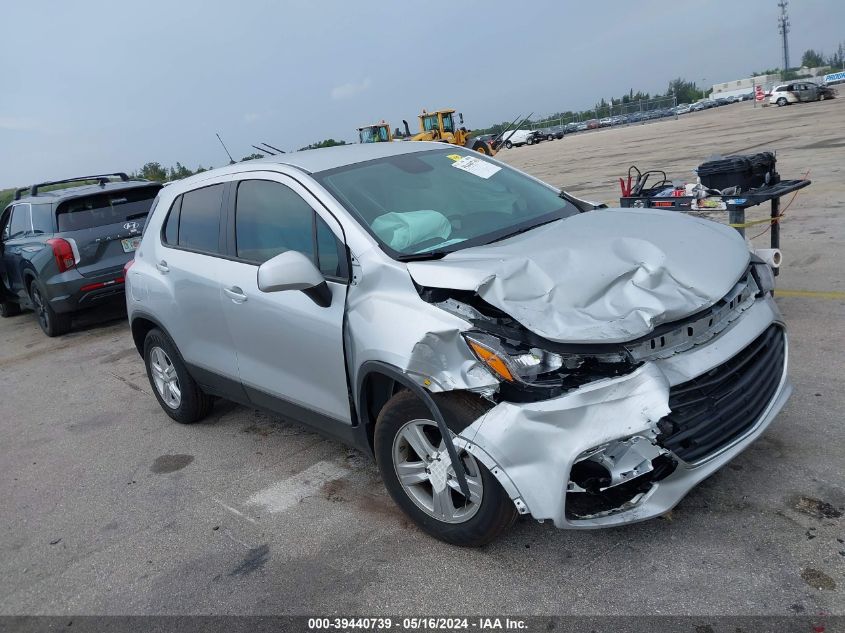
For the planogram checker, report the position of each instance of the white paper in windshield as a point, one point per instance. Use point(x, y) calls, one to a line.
point(476, 166)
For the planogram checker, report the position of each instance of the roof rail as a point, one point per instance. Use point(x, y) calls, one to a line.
point(102, 178)
point(18, 192)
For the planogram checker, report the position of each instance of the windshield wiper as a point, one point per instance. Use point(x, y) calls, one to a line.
point(415, 257)
point(524, 229)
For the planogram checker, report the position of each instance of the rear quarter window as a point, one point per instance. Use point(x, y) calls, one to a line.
point(106, 208)
point(199, 219)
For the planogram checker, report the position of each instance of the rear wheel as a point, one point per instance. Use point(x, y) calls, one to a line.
point(9, 309)
point(52, 323)
point(508, 144)
point(418, 474)
point(174, 388)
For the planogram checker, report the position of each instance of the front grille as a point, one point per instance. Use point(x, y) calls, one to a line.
point(710, 411)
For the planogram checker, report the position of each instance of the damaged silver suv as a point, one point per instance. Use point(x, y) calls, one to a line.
point(500, 347)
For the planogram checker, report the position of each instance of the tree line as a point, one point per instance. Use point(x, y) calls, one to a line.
point(810, 59)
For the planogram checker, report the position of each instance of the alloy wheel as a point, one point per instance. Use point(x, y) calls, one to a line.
point(165, 378)
point(40, 309)
point(426, 474)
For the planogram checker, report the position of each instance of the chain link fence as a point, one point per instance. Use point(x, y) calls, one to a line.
point(606, 115)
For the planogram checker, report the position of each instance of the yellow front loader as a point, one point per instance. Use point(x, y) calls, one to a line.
point(440, 126)
point(375, 133)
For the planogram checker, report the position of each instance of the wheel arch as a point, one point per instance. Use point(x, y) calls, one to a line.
point(141, 324)
point(378, 382)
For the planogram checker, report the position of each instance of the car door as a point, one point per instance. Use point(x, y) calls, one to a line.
point(15, 234)
point(289, 349)
point(184, 289)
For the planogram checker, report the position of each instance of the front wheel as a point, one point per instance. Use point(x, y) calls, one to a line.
point(781, 102)
point(419, 476)
point(508, 144)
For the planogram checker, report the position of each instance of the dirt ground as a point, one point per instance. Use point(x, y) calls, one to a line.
point(108, 507)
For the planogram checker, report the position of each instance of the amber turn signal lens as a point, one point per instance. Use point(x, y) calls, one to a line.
point(491, 360)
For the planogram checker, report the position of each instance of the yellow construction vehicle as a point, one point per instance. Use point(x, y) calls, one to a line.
point(440, 126)
point(376, 133)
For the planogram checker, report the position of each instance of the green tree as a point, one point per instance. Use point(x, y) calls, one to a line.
point(812, 59)
point(252, 156)
point(179, 172)
point(837, 60)
point(684, 91)
point(153, 171)
point(329, 142)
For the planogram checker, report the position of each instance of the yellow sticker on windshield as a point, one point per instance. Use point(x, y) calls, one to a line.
point(454, 156)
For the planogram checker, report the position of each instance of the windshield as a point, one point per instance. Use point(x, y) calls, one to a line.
point(441, 200)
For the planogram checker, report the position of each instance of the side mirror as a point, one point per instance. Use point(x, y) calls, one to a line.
point(292, 270)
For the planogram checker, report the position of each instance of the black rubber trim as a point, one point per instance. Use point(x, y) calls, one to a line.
point(401, 377)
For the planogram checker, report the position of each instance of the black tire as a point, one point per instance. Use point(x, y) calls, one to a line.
point(9, 309)
point(496, 512)
point(194, 404)
point(508, 144)
point(481, 148)
point(782, 102)
point(530, 140)
point(52, 323)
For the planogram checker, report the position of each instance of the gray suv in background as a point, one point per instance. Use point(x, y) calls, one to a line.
point(499, 346)
point(63, 249)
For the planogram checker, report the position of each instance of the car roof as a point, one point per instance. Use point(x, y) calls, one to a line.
point(316, 160)
point(58, 195)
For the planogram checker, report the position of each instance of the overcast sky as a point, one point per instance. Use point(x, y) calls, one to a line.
point(90, 86)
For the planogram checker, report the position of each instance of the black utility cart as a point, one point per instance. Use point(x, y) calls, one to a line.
point(752, 180)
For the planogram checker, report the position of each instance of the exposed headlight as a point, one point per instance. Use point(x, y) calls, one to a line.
point(764, 277)
point(514, 363)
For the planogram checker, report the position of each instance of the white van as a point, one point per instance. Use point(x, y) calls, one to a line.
point(515, 138)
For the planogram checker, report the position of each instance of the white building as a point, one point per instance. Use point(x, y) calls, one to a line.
point(743, 86)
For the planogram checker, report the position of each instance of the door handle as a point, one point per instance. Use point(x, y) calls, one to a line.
point(235, 294)
point(162, 267)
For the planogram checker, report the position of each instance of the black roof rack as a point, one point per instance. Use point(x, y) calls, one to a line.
point(101, 178)
point(18, 192)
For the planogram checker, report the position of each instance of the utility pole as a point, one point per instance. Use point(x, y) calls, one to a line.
point(783, 29)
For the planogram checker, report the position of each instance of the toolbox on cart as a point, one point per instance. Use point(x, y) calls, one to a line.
point(746, 172)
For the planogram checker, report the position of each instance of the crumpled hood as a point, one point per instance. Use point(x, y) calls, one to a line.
point(610, 275)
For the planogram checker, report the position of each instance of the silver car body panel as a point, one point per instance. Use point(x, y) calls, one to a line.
point(531, 447)
point(594, 277)
point(599, 276)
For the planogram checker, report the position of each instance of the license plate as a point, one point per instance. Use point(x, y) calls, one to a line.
point(131, 244)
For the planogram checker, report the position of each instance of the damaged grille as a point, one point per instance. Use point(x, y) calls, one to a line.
point(715, 408)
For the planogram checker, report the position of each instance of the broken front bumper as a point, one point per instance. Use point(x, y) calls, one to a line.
point(531, 447)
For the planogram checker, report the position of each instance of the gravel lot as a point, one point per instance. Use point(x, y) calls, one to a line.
point(108, 507)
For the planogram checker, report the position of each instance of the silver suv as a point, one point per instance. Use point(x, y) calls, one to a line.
point(500, 347)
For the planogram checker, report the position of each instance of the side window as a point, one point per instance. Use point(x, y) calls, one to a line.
point(199, 219)
point(20, 221)
point(170, 234)
point(329, 249)
point(42, 218)
point(271, 218)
